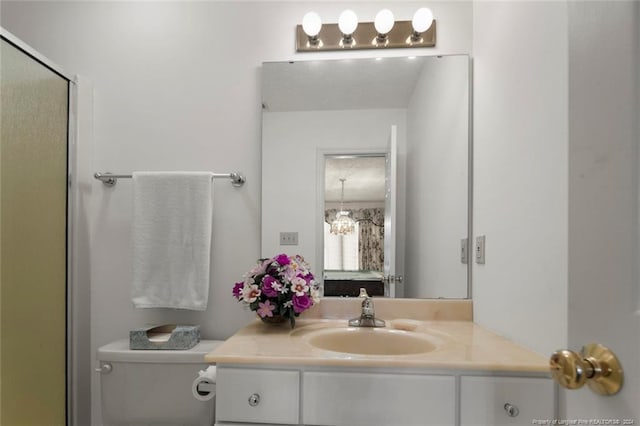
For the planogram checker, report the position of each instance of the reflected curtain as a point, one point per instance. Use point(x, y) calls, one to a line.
point(370, 238)
point(371, 241)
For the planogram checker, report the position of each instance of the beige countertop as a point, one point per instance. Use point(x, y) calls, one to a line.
point(459, 344)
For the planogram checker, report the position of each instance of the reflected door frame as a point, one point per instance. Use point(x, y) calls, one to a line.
point(321, 155)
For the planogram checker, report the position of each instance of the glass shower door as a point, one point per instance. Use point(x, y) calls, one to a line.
point(34, 105)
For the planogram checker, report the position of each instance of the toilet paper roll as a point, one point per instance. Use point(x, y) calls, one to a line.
point(207, 376)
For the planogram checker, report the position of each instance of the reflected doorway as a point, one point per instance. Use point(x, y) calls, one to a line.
point(354, 213)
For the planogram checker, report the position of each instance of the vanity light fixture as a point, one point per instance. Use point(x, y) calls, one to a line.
point(383, 23)
point(343, 223)
point(347, 23)
point(383, 33)
point(311, 25)
point(421, 22)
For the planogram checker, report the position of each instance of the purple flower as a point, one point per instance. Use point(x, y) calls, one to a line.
point(289, 273)
point(265, 309)
point(300, 303)
point(282, 259)
point(267, 286)
point(309, 279)
point(237, 290)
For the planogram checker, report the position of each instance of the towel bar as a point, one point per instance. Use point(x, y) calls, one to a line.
point(110, 179)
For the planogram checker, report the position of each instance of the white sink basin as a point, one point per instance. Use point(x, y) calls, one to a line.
point(370, 341)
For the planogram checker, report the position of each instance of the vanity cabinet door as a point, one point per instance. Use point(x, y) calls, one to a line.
point(359, 399)
point(506, 400)
point(257, 396)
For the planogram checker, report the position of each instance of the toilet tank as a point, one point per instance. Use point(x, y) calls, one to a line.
point(153, 387)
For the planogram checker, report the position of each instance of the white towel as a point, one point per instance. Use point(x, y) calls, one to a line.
point(172, 214)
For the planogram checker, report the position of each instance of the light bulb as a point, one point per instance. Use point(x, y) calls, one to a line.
point(311, 24)
point(422, 20)
point(348, 22)
point(383, 21)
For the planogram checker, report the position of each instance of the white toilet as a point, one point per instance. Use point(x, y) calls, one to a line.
point(153, 387)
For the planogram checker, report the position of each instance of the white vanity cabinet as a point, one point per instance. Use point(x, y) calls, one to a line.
point(506, 400)
point(331, 396)
point(363, 399)
point(257, 396)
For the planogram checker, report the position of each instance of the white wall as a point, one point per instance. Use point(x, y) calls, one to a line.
point(177, 87)
point(521, 170)
point(437, 180)
point(293, 189)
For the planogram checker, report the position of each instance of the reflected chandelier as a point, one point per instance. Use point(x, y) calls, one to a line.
point(343, 223)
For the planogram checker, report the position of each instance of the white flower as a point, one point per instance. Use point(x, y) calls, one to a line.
point(315, 295)
point(299, 286)
point(250, 293)
point(277, 285)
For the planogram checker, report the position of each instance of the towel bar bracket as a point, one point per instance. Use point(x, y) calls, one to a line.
point(110, 179)
point(106, 179)
point(237, 179)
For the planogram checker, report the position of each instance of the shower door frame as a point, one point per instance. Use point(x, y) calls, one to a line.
point(71, 327)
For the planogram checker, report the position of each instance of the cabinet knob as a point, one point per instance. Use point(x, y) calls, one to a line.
point(512, 410)
point(596, 365)
point(254, 399)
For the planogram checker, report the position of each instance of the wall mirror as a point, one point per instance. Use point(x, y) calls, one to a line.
point(327, 120)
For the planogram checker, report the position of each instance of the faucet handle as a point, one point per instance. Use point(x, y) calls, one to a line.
point(367, 317)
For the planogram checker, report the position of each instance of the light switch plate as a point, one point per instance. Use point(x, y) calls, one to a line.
point(480, 249)
point(464, 250)
point(288, 238)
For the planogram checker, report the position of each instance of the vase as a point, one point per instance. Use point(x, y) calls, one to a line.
point(276, 319)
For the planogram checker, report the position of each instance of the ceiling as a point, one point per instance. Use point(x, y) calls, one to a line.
point(365, 178)
point(337, 84)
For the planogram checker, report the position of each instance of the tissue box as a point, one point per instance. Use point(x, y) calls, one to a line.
point(165, 337)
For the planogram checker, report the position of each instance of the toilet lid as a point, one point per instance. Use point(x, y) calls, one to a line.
point(119, 351)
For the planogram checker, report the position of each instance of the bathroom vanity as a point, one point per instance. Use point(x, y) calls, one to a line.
point(446, 371)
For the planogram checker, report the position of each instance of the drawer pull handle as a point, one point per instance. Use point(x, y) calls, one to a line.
point(254, 399)
point(512, 410)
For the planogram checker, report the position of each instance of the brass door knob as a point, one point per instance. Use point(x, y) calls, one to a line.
point(596, 365)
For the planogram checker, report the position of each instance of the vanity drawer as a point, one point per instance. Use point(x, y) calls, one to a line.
point(351, 399)
point(483, 400)
point(257, 396)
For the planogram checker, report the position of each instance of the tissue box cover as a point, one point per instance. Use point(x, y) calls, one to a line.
point(165, 337)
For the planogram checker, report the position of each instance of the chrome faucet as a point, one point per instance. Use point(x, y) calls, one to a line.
point(367, 317)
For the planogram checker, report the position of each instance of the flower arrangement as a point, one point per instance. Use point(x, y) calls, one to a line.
point(281, 286)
